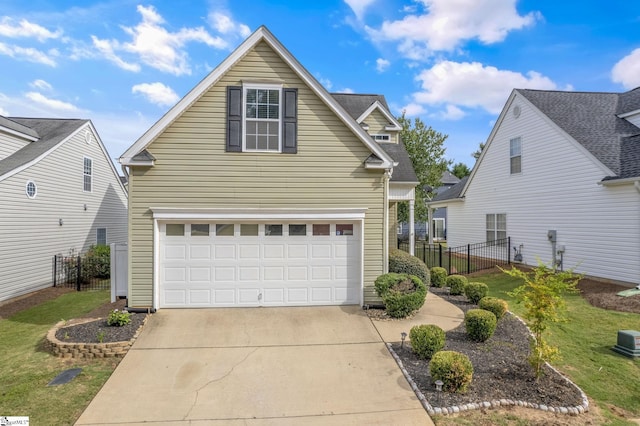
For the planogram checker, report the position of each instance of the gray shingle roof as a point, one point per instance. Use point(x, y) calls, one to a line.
point(590, 118)
point(449, 178)
point(50, 131)
point(453, 192)
point(355, 104)
point(403, 172)
point(17, 127)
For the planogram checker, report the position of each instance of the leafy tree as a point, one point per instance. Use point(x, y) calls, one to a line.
point(460, 170)
point(425, 147)
point(542, 295)
point(476, 153)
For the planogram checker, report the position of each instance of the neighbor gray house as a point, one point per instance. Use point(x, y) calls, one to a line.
point(60, 194)
point(560, 175)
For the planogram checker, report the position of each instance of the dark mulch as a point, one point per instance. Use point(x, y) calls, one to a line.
point(90, 332)
point(501, 370)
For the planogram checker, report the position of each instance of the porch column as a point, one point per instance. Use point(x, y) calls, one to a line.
point(430, 223)
point(412, 234)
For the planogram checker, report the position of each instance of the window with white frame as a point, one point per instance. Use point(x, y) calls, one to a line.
point(101, 236)
point(88, 174)
point(381, 137)
point(31, 189)
point(496, 226)
point(515, 155)
point(262, 118)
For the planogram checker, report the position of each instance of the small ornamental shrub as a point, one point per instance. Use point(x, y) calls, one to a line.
point(118, 318)
point(403, 263)
point(453, 368)
point(475, 291)
point(438, 276)
point(480, 324)
point(402, 294)
point(456, 284)
point(499, 307)
point(97, 262)
point(426, 340)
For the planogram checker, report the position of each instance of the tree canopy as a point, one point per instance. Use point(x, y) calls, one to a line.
point(460, 170)
point(425, 147)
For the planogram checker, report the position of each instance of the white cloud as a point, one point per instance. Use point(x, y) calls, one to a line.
point(29, 54)
point(444, 25)
point(473, 85)
point(156, 93)
point(413, 110)
point(324, 81)
point(382, 64)
point(50, 103)
point(359, 6)
point(224, 24)
point(4, 112)
point(155, 46)
point(451, 112)
point(627, 70)
point(40, 84)
point(346, 90)
point(26, 29)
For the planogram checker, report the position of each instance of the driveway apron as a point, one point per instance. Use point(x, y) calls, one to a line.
point(257, 366)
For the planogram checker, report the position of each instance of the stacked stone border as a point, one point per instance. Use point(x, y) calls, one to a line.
point(88, 350)
point(579, 409)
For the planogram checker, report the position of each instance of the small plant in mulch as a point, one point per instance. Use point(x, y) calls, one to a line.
point(402, 294)
point(426, 340)
point(119, 318)
point(454, 369)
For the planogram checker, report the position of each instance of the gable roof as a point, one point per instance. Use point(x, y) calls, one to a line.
point(449, 178)
point(591, 118)
point(17, 129)
point(50, 133)
point(360, 106)
point(402, 169)
point(452, 193)
point(261, 34)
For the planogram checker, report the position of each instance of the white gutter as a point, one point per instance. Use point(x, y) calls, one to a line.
point(385, 221)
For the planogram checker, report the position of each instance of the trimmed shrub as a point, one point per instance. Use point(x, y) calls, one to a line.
point(499, 307)
point(426, 340)
point(96, 262)
point(475, 291)
point(403, 263)
point(438, 276)
point(453, 368)
point(480, 324)
point(456, 284)
point(402, 294)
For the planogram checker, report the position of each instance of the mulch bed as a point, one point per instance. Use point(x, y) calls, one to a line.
point(99, 331)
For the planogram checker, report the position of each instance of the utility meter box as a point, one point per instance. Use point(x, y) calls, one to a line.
point(628, 343)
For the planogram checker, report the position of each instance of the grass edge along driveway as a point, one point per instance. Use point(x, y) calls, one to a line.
point(26, 367)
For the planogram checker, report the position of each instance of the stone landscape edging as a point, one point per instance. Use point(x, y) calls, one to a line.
point(88, 350)
point(574, 410)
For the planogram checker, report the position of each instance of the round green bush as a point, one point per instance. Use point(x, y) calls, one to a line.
point(402, 262)
point(438, 276)
point(402, 294)
point(456, 284)
point(480, 324)
point(453, 368)
point(499, 307)
point(426, 340)
point(475, 291)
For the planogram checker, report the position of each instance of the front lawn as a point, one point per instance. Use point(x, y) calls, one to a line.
point(585, 341)
point(26, 368)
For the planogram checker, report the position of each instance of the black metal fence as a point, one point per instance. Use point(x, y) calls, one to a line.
point(463, 259)
point(82, 272)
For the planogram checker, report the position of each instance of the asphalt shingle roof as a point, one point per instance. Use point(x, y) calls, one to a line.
point(591, 119)
point(50, 132)
point(10, 124)
point(355, 104)
point(453, 192)
point(403, 172)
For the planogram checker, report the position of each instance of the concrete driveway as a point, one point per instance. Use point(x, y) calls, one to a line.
point(258, 366)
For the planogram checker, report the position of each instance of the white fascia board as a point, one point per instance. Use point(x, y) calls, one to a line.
point(444, 203)
point(383, 110)
point(261, 34)
point(18, 134)
point(174, 213)
point(629, 114)
point(617, 182)
point(116, 175)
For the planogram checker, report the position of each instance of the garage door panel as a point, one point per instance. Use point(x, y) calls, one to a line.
point(321, 251)
point(176, 274)
point(175, 252)
point(200, 297)
point(298, 251)
point(224, 273)
point(274, 296)
point(248, 296)
point(175, 297)
point(298, 295)
point(200, 252)
point(274, 251)
point(225, 251)
point(299, 273)
point(202, 275)
point(224, 296)
point(321, 294)
point(320, 273)
point(248, 273)
point(249, 251)
point(273, 273)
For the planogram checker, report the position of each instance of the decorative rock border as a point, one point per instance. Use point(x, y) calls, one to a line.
point(88, 350)
point(579, 409)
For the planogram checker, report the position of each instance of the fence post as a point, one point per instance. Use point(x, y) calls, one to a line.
point(78, 273)
point(508, 250)
point(449, 254)
point(440, 255)
point(55, 268)
point(468, 258)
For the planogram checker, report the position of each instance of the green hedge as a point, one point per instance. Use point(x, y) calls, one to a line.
point(426, 340)
point(456, 284)
point(402, 262)
point(453, 368)
point(438, 276)
point(475, 291)
point(480, 324)
point(499, 307)
point(400, 304)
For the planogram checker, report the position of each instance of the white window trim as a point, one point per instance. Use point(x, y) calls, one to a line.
point(514, 156)
point(26, 189)
point(105, 235)
point(84, 174)
point(387, 135)
point(495, 227)
point(266, 86)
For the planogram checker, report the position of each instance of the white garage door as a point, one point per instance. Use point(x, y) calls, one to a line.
point(209, 264)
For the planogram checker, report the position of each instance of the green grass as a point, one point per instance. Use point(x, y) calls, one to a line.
point(585, 341)
point(26, 368)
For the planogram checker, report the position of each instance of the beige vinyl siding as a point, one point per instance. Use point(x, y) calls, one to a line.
point(31, 234)
point(192, 170)
point(393, 225)
point(377, 123)
point(10, 144)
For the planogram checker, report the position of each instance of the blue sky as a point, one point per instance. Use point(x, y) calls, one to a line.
point(452, 63)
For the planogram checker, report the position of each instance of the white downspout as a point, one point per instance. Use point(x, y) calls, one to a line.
point(412, 233)
point(385, 220)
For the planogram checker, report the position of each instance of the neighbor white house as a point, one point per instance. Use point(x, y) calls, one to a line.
point(560, 175)
point(60, 193)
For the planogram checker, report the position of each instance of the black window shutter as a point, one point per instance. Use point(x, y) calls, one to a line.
point(290, 121)
point(234, 118)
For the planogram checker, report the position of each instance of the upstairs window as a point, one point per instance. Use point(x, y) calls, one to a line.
point(381, 138)
point(262, 119)
point(88, 174)
point(515, 154)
